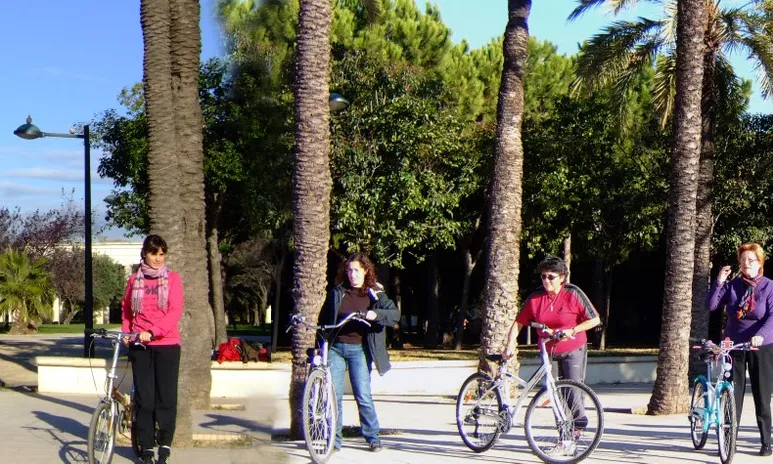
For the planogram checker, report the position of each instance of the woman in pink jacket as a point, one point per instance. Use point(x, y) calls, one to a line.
point(152, 306)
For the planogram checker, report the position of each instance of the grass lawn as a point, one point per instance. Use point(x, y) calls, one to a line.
point(47, 329)
point(240, 330)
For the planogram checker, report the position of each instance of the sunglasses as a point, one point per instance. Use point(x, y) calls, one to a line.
point(549, 277)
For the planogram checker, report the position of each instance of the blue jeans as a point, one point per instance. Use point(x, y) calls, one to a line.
point(341, 356)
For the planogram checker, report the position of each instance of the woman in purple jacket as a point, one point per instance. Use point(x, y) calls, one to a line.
point(748, 299)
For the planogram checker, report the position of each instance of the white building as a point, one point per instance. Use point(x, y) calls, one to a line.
point(127, 254)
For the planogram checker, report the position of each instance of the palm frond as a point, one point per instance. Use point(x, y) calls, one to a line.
point(664, 86)
point(613, 6)
point(761, 51)
point(621, 45)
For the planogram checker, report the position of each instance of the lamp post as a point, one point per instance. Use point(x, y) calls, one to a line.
point(30, 131)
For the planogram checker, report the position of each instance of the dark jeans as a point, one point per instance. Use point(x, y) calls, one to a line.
point(760, 366)
point(155, 371)
point(571, 366)
point(353, 357)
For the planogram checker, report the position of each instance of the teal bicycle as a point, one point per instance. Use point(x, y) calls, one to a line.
point(713, 404)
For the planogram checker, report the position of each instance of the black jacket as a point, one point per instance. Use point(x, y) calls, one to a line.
point(387, 315)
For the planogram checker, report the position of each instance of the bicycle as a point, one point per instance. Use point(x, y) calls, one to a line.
point(713, 404)
point(563, 422)
point(320, 409)
point(115, 412)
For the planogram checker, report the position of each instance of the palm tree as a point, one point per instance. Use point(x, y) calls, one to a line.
point(500, 296)
point(626, 48)
point(26, 289)
point(175, 170)
point(669, 393)
point(311, 183)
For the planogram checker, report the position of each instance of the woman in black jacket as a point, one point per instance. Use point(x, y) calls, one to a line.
point(356, 345)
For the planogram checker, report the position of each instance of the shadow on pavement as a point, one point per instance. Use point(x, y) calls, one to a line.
point(221, 421)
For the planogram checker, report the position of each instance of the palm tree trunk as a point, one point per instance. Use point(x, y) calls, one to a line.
point(669, 394)
point(500, 296)
point(704, 219)
point(311, 184)
point(175, 165)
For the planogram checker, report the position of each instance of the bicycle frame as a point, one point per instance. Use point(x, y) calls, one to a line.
point(712, 391)
point(545, 371)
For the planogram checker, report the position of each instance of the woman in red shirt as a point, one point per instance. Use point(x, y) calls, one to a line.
point(560, 306)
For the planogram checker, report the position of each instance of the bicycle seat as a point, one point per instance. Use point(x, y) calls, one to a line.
point(494, 357)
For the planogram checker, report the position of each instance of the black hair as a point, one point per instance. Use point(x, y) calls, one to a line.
point(152, 244)
point(553, 264)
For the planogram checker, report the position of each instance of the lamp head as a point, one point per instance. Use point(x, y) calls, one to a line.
point(337, 102)
point(28, 131)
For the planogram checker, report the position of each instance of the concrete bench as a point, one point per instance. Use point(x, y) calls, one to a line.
point(59, 374)
point(238, 380)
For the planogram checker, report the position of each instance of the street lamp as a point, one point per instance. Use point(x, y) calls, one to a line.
point(337, 103)
point(30, 131)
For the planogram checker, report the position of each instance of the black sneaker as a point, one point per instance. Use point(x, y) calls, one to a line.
point(375, 446)
point(147, 457)
point(163, 455)
point(766, 450)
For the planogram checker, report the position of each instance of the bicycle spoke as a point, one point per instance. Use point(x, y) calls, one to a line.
point(478, 416)
point(566, 427)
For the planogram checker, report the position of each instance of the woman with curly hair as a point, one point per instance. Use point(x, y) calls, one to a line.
point(356, 346)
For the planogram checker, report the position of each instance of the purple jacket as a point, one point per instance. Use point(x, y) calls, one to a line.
point(758, 322)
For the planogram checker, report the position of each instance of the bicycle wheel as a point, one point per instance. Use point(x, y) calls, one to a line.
point(319, 415)
point(101, 441)
point(477, 412)
point(565, 425)
point(727, 427)
point(698, 406)
point(133, 430)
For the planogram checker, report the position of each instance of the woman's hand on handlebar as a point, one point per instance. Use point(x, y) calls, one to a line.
point(371, 315)
point(145, 336)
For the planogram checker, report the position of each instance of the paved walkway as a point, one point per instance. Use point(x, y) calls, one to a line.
point(47, 429)
point(427, 434)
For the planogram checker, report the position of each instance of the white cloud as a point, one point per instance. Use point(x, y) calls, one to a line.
point(14, 190)
point(51, 174)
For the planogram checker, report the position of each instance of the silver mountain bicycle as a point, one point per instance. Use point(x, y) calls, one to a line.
point(320, 409)
point(115, 413)
point(563, 422)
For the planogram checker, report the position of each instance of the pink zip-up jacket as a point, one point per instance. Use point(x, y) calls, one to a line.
point(164, 323)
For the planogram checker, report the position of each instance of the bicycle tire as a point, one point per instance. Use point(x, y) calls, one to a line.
point(134, 435)
point(727, 428)
point(320, 413)
point(564, 441)
point(698, 400)
point(475, 409)
point(101, 441)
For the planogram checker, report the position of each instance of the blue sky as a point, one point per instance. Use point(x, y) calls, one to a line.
point(67, 61)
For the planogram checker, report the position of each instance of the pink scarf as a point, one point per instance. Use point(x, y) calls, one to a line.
point(138, 289)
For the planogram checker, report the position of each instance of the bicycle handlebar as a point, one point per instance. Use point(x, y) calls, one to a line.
point(708, 345)
point(117, 335)
point(299, 319)
point(556, 335)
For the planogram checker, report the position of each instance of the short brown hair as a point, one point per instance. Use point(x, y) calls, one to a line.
point(754, 248)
